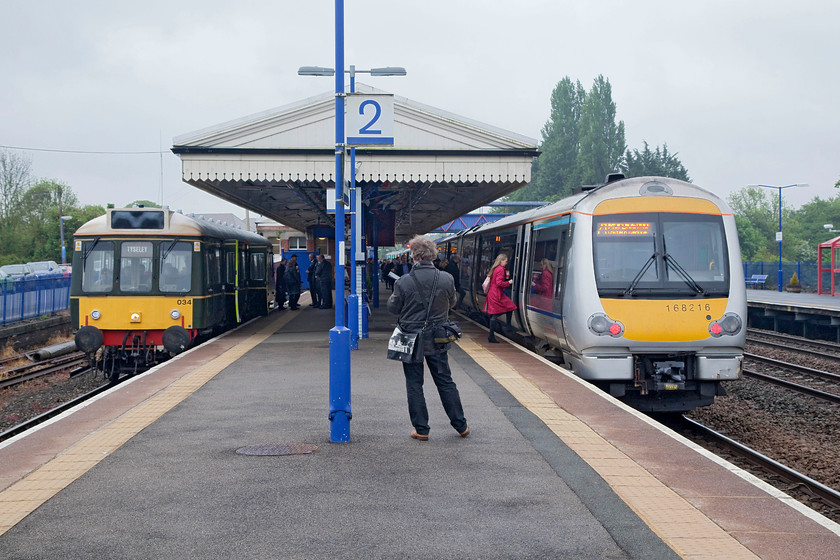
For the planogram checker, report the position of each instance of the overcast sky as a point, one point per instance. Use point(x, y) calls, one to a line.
point(744, 91)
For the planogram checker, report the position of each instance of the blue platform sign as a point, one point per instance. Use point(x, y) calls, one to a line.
point(369, 119)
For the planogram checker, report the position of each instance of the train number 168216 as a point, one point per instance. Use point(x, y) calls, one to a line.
point(688, 307)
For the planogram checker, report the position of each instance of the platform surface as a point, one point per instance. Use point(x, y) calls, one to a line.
point(551, 469)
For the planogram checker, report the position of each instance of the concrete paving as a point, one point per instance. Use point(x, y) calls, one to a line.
point(178, 489)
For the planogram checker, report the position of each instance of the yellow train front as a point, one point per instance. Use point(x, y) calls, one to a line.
point(147, 282)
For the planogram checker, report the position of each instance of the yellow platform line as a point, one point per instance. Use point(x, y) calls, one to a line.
point(27, 495)
point(683, 527)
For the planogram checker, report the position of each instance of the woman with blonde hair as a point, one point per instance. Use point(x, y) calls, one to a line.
point(544, 283)
point(496, 302)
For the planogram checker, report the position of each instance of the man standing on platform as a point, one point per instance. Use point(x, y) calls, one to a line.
point(293, 282)
point(310, 277)
point(280, 284)
point(323, 280)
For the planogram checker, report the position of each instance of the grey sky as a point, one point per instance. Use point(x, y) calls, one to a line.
point(745, 92)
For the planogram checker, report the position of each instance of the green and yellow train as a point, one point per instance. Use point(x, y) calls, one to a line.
point(148, 282)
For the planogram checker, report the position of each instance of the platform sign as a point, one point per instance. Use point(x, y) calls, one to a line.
point(369, 119)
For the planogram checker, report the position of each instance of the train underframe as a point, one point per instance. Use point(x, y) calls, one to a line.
point(664, 383)
point(117, 353)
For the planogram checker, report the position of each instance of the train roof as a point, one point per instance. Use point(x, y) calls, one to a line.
point(162, 222)
point(587, 200)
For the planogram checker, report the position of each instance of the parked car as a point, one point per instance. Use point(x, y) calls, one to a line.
point(17, 271)
point(45, 269)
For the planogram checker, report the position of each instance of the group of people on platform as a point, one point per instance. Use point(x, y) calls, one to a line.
point(288, 282)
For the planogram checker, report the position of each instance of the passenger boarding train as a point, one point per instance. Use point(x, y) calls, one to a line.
point(636, 283)
point(146, 282)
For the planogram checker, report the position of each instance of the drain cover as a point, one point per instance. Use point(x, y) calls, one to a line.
point(278, 449)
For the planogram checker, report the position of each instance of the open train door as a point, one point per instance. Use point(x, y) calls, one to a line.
point(234, 281)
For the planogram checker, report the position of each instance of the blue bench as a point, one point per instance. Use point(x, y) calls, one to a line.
point(756, 281)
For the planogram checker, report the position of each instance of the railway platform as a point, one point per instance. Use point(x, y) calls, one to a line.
point(157, 466)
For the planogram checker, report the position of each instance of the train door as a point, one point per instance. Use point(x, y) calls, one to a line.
point(489, 247)
point(258, 281)
point(468, 271)
point(546, 273)
point(233, 281)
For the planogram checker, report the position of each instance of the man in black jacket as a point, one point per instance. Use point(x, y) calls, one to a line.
point(280, 284)
point(310, 277)
point(323, 281)
point(293, 282)
point(410, 300)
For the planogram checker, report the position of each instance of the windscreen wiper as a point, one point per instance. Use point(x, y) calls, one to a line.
point(685, 275)
point(632, 287)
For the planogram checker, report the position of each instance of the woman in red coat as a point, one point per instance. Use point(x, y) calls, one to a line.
point(497, 302)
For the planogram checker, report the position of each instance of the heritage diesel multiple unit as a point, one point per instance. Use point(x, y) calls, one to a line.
point(147, 282)
point(637, 283)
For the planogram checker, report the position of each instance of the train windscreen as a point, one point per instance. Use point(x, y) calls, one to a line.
point(660, 254)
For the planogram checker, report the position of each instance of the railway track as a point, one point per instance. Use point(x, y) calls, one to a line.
point(816, 348)
point(781, 368)
point(826, 495)
point(32, 422)
point(28, 372)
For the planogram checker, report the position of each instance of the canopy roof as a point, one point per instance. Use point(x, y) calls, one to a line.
point(281, 161)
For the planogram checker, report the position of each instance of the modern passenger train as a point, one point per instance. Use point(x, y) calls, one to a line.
point(637, 283)
point(147, 282)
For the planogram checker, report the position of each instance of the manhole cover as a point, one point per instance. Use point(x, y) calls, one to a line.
point(278, 449)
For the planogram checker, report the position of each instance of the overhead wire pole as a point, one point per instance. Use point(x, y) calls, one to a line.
point(340, 412)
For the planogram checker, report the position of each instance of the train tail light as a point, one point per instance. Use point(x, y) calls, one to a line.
point(730, 324)
point(602, 325)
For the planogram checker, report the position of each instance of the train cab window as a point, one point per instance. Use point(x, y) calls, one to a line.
point(661, 254)
point(98, 271)
point(175, 266)
point(136, 261)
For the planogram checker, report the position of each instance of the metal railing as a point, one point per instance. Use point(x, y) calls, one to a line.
point(33, 297)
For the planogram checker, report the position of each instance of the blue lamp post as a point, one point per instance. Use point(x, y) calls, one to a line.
point(356, 304)
point(779, 233)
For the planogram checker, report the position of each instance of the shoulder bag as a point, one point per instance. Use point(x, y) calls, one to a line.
point(408, 347)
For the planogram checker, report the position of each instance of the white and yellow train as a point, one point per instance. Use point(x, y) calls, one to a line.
point(637, 283)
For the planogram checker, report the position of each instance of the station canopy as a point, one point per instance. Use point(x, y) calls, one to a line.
point(281, 162)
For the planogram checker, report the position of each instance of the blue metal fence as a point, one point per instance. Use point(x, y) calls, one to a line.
point(806, 271)
point(33, 297)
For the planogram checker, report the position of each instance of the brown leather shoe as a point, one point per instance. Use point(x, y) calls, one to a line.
point(465, 433)
point(421, 437)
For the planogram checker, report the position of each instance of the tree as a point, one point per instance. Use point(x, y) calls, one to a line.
point(602, 142)
point(660, 163)
point(14, 179)
point(551, 173)
point(143, 203)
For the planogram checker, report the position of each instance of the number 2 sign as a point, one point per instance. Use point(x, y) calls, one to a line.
point(370, 118)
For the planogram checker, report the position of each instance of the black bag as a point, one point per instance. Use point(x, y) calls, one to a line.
point(405, 347)
point(447, 332)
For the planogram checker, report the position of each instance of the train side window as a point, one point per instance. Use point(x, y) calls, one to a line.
point(176, 266)
point(543, 271)
point(258, 266)
point(98, 271)
point(230, 267)
point(212, 265)
point(136, 261)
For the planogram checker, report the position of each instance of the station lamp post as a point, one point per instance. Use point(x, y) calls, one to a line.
point(779, 233)
point(340, 410)
point(356, 308)
point(61, 229)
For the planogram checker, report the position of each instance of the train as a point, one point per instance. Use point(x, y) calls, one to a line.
point(147, 283)
point(636, 284)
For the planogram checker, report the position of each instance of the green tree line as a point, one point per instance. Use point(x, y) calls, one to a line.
point(30, 210)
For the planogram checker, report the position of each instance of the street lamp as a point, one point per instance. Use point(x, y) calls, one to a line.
point(61, 228)
point(779, 233)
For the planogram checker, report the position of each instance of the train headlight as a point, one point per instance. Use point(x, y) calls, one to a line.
point(729, 324)
point(135, 317)
point(95, 314)
point(175, 314)
point(602, 325)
